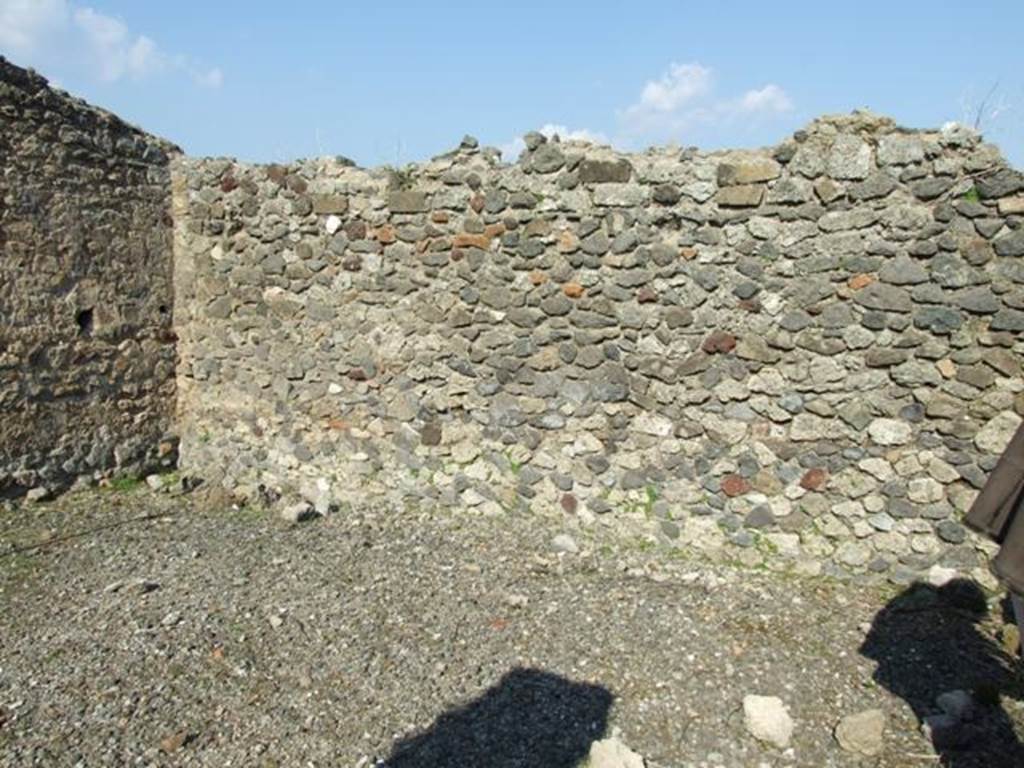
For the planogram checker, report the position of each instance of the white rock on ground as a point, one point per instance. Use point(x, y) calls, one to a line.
point(768, 720)
point(563, 542)
point(612, 753)
point(862, 733)
point(298, 512)
point(36, 495)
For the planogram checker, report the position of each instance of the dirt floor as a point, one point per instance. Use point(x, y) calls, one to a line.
point(140, 628)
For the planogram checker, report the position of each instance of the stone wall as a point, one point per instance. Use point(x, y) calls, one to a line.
point(807, 355)
point(86, 346)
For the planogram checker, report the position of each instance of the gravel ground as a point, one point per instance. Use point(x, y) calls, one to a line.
point(144, 629)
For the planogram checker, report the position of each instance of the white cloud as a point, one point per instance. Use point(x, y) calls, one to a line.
point(116, 52)
point(23, 23)
point(676, 88)
point(582, 134)
point(64, 35)
point(684, 96)
point(512, 149)
point(767, 100)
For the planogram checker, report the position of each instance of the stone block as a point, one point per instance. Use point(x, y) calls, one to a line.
point(328, 204)
point(741, 196)
point(748, 172)
point(593, 171)
point(407, 201)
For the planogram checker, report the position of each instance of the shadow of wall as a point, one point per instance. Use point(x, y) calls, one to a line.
point(528, 718)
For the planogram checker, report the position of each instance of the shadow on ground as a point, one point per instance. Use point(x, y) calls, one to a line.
point(928, 644)
point(530, 718)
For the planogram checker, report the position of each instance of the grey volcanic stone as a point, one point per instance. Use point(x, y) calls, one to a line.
point(951, 532)
point(1003, 182)
point(979, 301)
point(938, 320)
point(407, 202)
point(1011, 244)
point(534, 139)
point(601, 171)
point(929, 189)
point(875, 186)
point(884, 297)
point(666, 194)
point(903, 271)
point(760, 517)
point(547, 158)
point(1008, 320)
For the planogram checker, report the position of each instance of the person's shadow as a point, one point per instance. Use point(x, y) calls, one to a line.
point(931, 653)
point(529, 719)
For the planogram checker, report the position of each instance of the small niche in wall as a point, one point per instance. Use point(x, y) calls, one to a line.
point(84, 320)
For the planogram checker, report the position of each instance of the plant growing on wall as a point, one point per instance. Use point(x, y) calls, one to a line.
point(399, 178)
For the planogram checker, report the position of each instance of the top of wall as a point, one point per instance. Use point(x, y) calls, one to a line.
point(862, 149)
point(542, 153)
point(30, 89)
point(847, 148)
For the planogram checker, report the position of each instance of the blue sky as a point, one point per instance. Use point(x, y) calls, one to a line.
point(394, 82)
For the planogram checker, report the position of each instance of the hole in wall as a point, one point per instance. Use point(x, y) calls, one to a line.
point(84, 321)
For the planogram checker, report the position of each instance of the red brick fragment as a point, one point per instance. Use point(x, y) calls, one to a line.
point(860, 281)
point(735, 485)
point(719, 343)
point(814, 479)
point(469, 240)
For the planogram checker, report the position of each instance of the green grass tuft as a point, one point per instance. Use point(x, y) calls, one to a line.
point(125, 483)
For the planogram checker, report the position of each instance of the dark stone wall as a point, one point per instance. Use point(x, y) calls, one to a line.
point(87, 352)
point(806, 356)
